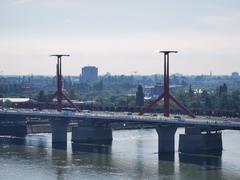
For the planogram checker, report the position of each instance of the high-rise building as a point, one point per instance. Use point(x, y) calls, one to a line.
point(89, 73)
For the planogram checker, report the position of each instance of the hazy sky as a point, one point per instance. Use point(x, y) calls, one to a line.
point(120, 36)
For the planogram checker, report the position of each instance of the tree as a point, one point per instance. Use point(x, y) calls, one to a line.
point(72, 94)
point(139, 96)
point(1, 101)
point(8, 103)
point(222, 90)
point(190, 91)
point(98, 86)
point(204, 94)
point(208, 102)
point(41, 96)
point(121, 101)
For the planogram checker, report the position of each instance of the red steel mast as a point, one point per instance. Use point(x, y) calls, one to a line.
point(166, 94)
point(59, 94)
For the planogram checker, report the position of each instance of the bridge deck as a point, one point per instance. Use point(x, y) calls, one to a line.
point(121, 117)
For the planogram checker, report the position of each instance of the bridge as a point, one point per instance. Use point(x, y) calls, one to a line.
point(201, 134)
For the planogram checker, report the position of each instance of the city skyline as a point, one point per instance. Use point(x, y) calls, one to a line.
point(119, 37)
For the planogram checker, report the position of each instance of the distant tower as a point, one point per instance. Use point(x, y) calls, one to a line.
point(89, 74)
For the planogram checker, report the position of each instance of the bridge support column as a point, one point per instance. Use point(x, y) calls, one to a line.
point(59, 130)
point(195, 141)
point(92, 135)
point(166, 140)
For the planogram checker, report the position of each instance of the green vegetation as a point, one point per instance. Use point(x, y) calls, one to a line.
point(221, 99)
point(41, 96)
point(198, 93)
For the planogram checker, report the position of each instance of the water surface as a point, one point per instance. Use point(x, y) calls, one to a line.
point(133, 155)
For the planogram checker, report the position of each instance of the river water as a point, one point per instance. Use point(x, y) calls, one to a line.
point(133, 155)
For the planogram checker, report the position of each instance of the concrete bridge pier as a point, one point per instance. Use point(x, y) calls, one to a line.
point(197, 140)
point(59, 130)
point(92, 134)
point(166, 140)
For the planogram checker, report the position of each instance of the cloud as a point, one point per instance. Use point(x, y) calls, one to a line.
point(122, 53)
point(229, 21)
point(19, 2)
point(130, 43)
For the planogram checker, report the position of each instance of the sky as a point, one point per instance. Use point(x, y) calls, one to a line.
point(119, 36)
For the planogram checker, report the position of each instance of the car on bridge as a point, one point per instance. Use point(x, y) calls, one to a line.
point(68, 111)
point(179, 118)
point(86, 111)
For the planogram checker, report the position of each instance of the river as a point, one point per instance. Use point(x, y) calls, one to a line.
point(133, 155)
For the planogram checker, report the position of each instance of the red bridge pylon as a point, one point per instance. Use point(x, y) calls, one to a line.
point(59, 94)
point(166, 94)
